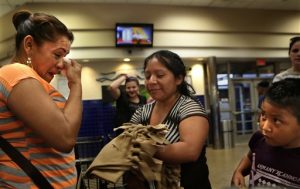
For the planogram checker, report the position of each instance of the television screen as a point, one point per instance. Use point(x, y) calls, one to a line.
point(134, 35)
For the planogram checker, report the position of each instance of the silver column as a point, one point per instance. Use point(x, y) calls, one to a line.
point(214, 102)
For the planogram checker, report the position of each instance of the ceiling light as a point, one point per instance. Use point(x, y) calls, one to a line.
point(126, 59)
point(200, 59)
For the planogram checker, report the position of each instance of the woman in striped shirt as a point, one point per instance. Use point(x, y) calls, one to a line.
point(35, 118)
point(183, 115)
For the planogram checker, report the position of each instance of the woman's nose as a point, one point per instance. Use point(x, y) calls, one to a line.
point(152, 79)
point(60, 64)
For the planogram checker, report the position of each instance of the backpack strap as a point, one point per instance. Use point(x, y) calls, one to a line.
point(35, 175)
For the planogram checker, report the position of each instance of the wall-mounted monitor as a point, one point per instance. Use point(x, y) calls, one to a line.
point(134, 35)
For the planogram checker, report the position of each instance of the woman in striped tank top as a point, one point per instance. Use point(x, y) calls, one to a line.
point(35, 118)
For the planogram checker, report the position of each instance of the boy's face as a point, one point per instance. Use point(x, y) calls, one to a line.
point(279, 126)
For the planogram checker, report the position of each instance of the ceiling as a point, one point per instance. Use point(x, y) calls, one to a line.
point(9, 5)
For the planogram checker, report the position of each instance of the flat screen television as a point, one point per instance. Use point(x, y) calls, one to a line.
point(134, 35)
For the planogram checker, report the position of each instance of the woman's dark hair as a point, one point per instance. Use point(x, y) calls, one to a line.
point(42, 27)
point(286, 95)
point(175, 64)
point(129, 79)
point(293, 40)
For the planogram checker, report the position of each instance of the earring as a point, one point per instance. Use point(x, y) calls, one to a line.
point(28, 62)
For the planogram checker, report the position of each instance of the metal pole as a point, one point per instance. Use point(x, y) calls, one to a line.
point(214, 103)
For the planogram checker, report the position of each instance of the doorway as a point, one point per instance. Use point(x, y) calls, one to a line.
point(244, 105)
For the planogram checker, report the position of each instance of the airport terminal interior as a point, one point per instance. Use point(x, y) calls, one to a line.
point(227, 61)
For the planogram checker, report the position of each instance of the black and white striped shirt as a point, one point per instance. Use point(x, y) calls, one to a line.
point(183, 108)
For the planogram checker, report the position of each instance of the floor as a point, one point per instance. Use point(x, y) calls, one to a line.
point(222, 162)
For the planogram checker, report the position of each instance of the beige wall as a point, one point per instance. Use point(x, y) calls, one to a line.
point(191, 32)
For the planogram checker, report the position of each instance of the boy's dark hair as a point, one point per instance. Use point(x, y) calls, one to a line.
point(286, 94)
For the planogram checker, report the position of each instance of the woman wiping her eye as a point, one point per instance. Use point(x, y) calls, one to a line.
point(35, 118)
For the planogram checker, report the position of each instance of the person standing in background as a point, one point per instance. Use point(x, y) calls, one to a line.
point(294, 54)
point(261, 89)
point(126, 101)
point(35, 118)
point(174, 105)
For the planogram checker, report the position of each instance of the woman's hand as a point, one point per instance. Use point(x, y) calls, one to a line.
point(72, 70)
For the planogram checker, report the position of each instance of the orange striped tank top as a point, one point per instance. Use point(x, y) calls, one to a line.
point(58, 168)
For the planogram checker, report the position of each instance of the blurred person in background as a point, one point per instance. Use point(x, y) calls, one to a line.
point(128, 100)
point(261, 89)
point(294, 55)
